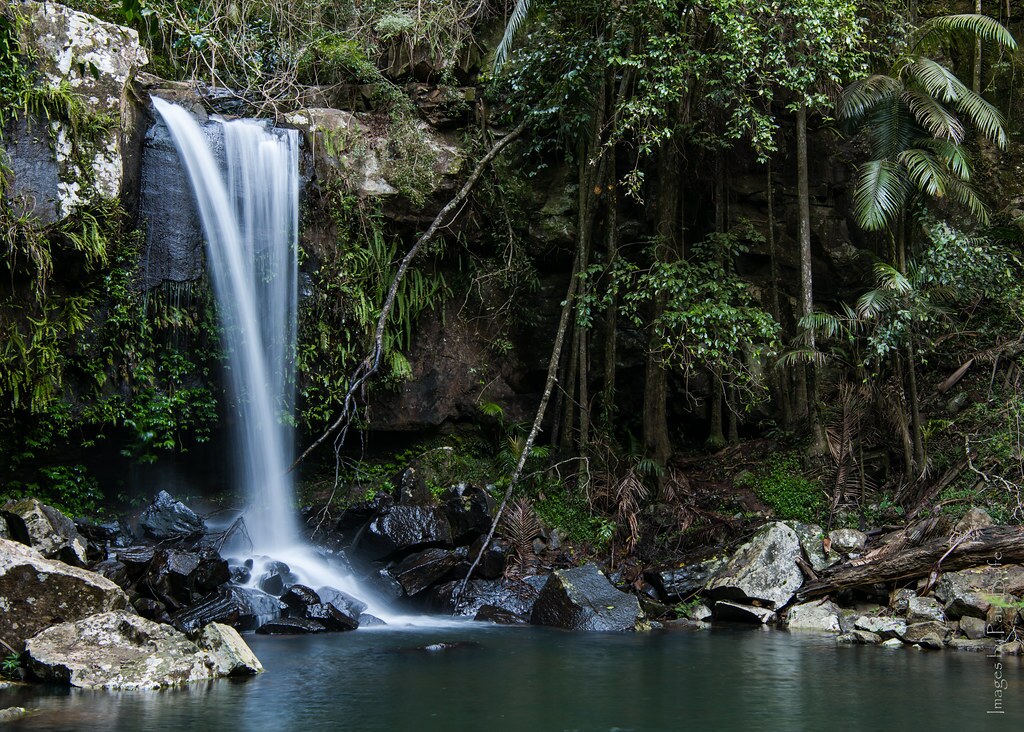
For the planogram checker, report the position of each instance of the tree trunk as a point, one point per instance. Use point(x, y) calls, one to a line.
point(818, 446)
point(917, 429)
point(730, 415)
point(976, 85)
point(716, 435)
point(779, 380)
point(611, 315)
point(657, 446)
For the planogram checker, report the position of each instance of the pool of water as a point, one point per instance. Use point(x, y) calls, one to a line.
point(534, 679)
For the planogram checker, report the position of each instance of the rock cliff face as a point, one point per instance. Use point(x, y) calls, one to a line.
point(96, 62)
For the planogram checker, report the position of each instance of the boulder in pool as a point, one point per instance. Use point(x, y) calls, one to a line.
point(402, 528)
point(763, 571)
point(120, 651)
point(584, 599)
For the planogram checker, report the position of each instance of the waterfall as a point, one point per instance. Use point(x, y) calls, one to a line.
point(249, 210)
point(250, 218)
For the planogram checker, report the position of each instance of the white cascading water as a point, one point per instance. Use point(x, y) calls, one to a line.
point(250, 218)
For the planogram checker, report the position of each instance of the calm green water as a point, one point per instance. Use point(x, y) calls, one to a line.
point(533, 679)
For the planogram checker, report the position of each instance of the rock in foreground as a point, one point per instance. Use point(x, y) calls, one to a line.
point(120, 651)
point(36, 592)
point(584, 599)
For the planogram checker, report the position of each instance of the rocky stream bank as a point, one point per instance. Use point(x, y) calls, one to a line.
point(153, 600)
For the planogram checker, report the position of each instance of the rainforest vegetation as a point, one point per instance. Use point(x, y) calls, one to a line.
point(735, 260)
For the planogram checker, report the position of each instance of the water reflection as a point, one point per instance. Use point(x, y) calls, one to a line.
point(536, 679)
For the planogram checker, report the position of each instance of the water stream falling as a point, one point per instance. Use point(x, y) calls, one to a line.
point(249, 211)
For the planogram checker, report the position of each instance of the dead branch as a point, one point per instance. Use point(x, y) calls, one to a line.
point(1004, 544)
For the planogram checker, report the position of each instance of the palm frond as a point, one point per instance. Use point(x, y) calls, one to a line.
point(797, 356)
point(934, 78)
point(937, 31)
point(889, 278)
point(983, 116)
point(879, 195)
point(519, 526)
point(925, 171)
point(873, 302)
point(515, 20)
point(891, 127)
point(933, 116)
point(965, 194)
point(822, 323)
point(863, 95)
point(952, 155)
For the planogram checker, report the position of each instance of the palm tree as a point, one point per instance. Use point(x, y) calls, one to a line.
point(915, 119)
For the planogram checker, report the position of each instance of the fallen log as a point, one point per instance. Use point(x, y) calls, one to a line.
point(991, 545)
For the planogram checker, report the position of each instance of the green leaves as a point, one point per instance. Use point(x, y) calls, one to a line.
point(879, 195)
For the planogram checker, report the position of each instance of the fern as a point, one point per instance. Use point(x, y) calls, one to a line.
point(519, 526)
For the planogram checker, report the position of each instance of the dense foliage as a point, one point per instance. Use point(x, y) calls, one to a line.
point(668, 141)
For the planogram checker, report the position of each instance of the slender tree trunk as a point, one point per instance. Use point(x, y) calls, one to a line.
point(806, 286)
point(584, 359)
point(779, 380)
point(730, 415)
point(976, 85)
point(917, 429)
point(569, 390)
point(656, 439)
point(716, 434)
point(611, 315)
point(904, 235)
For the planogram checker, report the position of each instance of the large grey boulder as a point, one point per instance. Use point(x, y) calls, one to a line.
point(167, 518)
point(739, 612)
point(822, 616)
point(228, 653)
point(763, 570)
point(45, 529)
point(97, 61)
point(583, 599)
point(516, 597)
point(116, 650)
point(971, 592)
point(924, 609)
point(926, 634)
point(36, 593)
point(848, 541)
